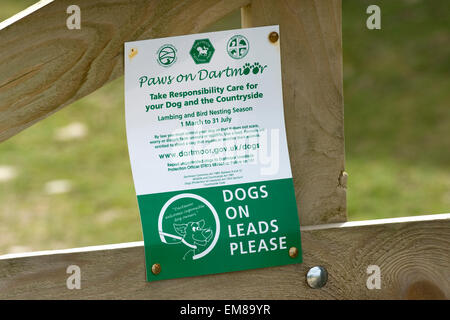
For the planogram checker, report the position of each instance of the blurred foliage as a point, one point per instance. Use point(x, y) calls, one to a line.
point(397, 127)
point(397, 108)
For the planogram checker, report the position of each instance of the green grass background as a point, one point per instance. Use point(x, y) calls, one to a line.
point(397, 128)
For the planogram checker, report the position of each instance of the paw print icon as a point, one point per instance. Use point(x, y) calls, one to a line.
point(256, 67)
point(246, 68)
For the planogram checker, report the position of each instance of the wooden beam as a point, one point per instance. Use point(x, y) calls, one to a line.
point(412, 253)
point(44, 66)
point(311, 58)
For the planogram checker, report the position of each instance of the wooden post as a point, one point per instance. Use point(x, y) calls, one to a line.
point(311, 58)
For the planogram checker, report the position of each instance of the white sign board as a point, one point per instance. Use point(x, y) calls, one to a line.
point(208, 151)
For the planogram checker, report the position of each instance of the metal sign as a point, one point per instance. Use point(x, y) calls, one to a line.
point(208, 151)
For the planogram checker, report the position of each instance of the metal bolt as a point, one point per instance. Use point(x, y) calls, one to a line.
point(273, 36)
point(293, 252)
point(156, 269)
point(317, 277)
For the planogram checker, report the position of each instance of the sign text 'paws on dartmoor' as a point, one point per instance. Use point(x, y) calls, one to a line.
point(208, 151)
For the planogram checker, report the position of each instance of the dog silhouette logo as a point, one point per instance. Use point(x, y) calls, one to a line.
point(193, 235)
point(191, 221)
point(202, 51)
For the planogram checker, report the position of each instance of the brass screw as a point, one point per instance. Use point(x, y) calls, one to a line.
point(293, 252)
point(273, 36)
point(132, 53)
point(156, 269)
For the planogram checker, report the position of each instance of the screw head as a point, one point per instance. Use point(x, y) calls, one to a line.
point(317, 277)
point(273, 36)
point(132, 53)
point(293, 252)
point(156, 269)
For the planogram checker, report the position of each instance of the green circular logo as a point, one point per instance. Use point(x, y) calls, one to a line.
point(190, 221)
point(238, 46)
point(166, 55)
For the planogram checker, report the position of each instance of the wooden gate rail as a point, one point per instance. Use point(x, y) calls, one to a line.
point(44, 66)
point(412, 253)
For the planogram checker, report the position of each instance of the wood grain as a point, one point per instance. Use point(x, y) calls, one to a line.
point(44, 66)
point(311, 57)
point(413, 255)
